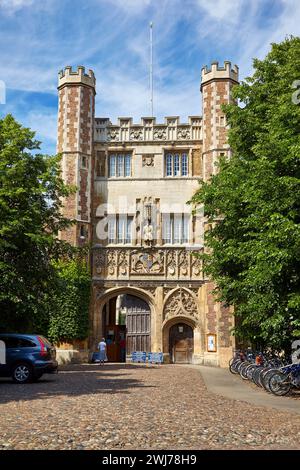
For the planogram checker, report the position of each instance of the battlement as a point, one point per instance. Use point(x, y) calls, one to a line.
point(147, 130)
point(149, 121)
point(216, 72)
point(70, 76)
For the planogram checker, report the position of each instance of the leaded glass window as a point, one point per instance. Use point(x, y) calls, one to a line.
point(175, 228)
point(169, 165)
point(120, 165)
point(176, 164)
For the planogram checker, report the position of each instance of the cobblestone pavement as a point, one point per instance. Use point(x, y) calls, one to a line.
point(135, 407)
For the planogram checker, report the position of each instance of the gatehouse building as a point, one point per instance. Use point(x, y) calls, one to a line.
point(134, 181)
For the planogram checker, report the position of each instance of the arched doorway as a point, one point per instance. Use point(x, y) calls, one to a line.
point(181, 343)
point(126, 326)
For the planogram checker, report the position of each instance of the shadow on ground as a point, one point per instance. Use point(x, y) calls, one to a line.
point(74, 380)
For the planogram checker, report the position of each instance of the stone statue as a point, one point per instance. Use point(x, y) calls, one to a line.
point(148, 233)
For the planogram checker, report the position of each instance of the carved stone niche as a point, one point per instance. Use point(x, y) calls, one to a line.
point(148, 159)
point(100, 164)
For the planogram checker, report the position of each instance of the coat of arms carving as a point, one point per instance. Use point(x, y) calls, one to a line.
point(148, 160)
point(143, 262)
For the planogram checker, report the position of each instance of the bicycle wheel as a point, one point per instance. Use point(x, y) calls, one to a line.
point(250, 371)
point(243, 370)
point(233, 367)
point(266, 377)
point(241, 365)
point(279, 383)
point(255, 376)
point(260, 375)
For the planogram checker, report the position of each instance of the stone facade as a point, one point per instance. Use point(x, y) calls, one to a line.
point(133, 183)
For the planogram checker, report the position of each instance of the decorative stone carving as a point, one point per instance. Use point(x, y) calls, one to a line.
point(99, 262)
point(196, 265)
point(160, 134)
point(183, 263)
point(183, 134)
point(123, 261)
point(147, 262)
point(113, 134)
point(136, 134)
point(111, 262)
point(180, 303)
point(171, 262)
point(148, 160)
point(147, 130)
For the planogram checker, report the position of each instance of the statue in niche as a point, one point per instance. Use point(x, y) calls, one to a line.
point(148, 227)
point(148, 233)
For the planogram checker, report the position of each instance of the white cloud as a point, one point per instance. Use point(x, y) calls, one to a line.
point(134, 6)
point(11, 6)
point(225, 10)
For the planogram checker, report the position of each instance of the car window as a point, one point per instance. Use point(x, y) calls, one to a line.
point(16, 342)
point(10, 341)
point(26, 343)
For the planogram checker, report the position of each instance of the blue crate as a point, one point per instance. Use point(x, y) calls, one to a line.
point(155, 358)
point(138, 356)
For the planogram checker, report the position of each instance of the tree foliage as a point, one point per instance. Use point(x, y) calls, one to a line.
point(254, 247)
point(31, 192)
point(69, 313)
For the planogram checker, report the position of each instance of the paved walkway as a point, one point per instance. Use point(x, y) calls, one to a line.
point(223, 383)
point(119, 406)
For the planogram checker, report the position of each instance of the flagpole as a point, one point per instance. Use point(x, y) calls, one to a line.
point(151, 67)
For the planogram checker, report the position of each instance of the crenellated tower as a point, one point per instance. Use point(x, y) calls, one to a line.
point(216, 86)
point(76, 111)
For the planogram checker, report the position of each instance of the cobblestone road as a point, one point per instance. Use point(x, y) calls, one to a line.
point(135, 407)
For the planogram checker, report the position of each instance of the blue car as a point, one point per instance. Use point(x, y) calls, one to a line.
point(26, 358)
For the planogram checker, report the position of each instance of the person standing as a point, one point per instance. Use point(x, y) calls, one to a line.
point(102, 351)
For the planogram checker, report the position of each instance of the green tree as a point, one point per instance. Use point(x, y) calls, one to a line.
point(253, 203)
point(31, 189)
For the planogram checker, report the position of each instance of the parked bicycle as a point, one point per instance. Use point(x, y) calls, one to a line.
point(272, 372)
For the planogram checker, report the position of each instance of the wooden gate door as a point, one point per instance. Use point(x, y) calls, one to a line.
point(181, 343)
point(137, 330)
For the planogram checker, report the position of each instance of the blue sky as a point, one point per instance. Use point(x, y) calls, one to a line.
point(39, 37)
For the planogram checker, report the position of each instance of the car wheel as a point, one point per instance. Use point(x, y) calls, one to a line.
point(22, 373)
